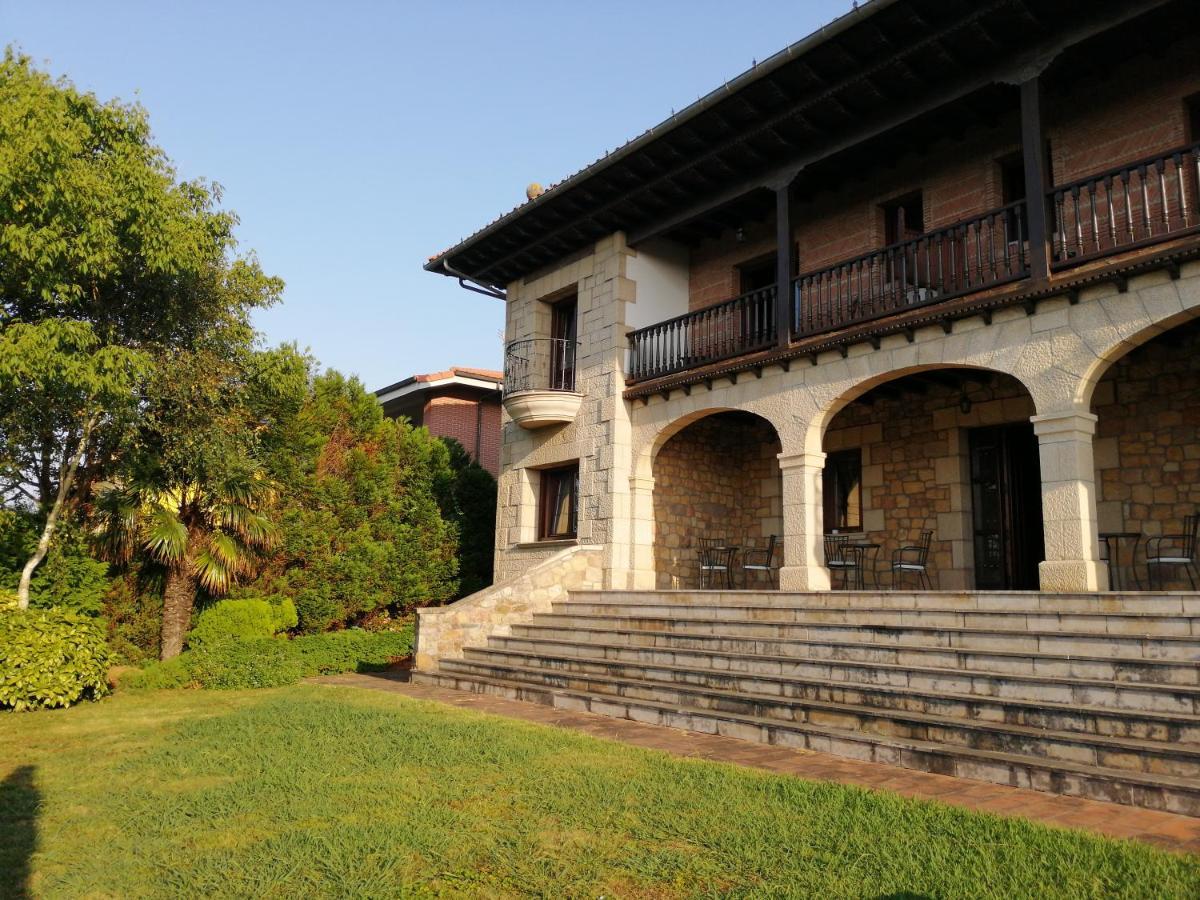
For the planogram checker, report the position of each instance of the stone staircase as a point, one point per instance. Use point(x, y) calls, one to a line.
point(1091, 695)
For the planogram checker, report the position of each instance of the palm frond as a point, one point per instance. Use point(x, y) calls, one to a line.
point(214, 576)
point(166, 536)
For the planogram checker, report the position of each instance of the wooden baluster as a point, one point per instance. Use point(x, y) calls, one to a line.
point(978, 256)
point(990, 221)
point(1095, 219)
point(1181, 194)
point(928, 262)
point(941, 275)
point(1022, 256)
point(1078, 221)
point(1124, 176)
point(1112, 215)
point(1060, 215)
point(1147, 224)
point(1161, 165)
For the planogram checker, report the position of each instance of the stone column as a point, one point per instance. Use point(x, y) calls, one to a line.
point(1069, 503)
point(803, 553)
point(641, 501)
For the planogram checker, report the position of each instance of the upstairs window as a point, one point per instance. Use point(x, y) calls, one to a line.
point(562, 346)
point(558, 503)
point(758, 274)
point(903, 219)
point(841, 488)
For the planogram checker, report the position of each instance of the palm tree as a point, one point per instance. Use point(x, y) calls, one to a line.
point(204, 535)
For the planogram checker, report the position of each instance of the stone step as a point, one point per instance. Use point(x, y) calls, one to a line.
point(1064, 689)
point(1163, 792)
point(1087, 622)
point(1172, 604)
point(1134, 670)
point(1069, 708)
point(1059, 642)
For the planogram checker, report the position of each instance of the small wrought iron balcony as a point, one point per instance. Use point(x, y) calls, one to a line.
point(539, 381)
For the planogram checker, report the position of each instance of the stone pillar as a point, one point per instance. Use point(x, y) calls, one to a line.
point(641, 501)
point(1069, 503)
point(803, 553)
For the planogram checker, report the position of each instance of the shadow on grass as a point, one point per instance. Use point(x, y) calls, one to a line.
point(904, 895)
point(18, 832)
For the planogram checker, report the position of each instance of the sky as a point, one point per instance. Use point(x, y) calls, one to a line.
point(355, 139)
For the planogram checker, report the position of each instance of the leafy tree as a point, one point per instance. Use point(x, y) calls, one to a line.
point(109, 265)
point(195, 498)
point(361, 527)
point(469, 500)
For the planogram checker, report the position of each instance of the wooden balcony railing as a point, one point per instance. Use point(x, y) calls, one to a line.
point(741, 325)
point(976, 253)
point(1133, 205)
point(1130, 206)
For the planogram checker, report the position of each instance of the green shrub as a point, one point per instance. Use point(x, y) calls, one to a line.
point(241, 620)
point(272, 662)
point(51, 658)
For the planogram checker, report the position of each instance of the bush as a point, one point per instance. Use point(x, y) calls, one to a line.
point(51, 658)
point(241, 620)
point(272, 662)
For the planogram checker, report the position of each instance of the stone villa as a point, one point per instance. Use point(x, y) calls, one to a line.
point(905, 316)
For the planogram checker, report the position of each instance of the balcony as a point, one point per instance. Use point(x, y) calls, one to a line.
point(1132, 206)
point(539, 382)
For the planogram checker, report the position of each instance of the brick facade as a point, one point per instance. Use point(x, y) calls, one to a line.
point(1135, 111)
point(473, 422)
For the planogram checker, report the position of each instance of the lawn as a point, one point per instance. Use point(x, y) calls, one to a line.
point(323, 791)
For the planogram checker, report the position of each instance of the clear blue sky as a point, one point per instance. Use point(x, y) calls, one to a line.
point(355, 139)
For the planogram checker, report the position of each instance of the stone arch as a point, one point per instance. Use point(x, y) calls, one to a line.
point(845, 393)
point(715, 474)
point(1106, 358)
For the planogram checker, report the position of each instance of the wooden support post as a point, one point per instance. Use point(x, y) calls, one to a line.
point(783, 264)
point(1037, 179)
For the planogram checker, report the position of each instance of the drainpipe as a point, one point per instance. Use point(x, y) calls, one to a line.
point(477, 286)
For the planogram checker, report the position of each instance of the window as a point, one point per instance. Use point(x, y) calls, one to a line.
point(903, 219)
point(842, 490)
point(1012, 189)
point(558, 503)
point(757, 274)
point(1191, 112)
point(562, 345)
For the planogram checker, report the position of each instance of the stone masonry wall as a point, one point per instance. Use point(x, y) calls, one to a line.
point(718, 477)
point(443, 632)
point(1147, 447)
point(916, 472)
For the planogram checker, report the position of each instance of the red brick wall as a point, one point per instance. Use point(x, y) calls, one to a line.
point(1137, 111)
point(461, 418)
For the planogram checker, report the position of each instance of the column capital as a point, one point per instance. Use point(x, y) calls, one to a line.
point(801, 460)
point(1064, 426)
point(641, 483)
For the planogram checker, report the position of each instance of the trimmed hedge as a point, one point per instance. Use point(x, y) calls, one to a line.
point(241, 620)
point(51, 658)
point(272, 662)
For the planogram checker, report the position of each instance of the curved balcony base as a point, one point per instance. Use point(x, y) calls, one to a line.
point(537, 409)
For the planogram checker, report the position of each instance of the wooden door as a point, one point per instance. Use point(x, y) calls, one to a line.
point(1006, 507)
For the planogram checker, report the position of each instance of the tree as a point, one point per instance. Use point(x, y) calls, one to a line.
point(57, 379)
point(361, 527)
point(469, 500)
point(108, 264)
point(193, 496)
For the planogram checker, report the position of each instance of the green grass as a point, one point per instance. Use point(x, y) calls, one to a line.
point(321, 791)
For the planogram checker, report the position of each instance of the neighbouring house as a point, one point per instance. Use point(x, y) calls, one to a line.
point(928, 278)
point(459, 403)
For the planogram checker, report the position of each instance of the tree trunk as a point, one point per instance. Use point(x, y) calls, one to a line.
point(70, 466)
point(179, 595)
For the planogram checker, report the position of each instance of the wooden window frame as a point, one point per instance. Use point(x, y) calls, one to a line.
point(549, 500)
point(831, 497)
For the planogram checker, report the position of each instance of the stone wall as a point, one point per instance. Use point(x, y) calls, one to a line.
point(443, 632)
point(916, 469)
point(718, 477)
point(1147, 446)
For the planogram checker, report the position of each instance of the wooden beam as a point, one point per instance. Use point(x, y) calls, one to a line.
point(1037, 179)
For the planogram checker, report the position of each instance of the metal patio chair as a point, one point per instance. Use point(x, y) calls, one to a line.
point(841, 557)
point(913, 559)
point(1173, 550)
point(757, 560)
point(716, 561)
